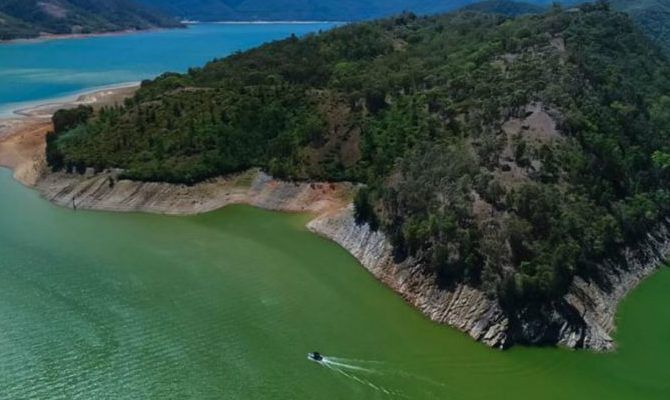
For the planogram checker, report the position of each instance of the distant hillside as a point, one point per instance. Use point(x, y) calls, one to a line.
point(506, 7)
point(652, 15)
point(30, 18)
point(341, 10)
point(11, 28)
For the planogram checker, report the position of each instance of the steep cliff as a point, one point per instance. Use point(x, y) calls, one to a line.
point(461, 306)
point(585, 319)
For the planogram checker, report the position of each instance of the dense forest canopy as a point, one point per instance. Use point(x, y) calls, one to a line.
point(510, 154)
point(652, 16)
point(30, 18)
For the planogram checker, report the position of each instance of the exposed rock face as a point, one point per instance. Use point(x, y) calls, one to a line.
point(106, 192)
point(463, 307)
point(596, 301)
point(583, 319)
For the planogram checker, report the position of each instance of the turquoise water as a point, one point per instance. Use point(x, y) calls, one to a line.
point(227, 304)
point(50, 69)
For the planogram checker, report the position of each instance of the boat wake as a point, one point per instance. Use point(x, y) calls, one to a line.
point(372, 373)
point(334, 363)
point(357, 373)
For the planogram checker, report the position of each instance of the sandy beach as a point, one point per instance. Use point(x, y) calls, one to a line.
point(22, 135)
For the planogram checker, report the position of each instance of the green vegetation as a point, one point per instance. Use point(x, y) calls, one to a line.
point(511, 154)
point(507, 7)
point(653, 16)
point(30, 18)
point(331, 10)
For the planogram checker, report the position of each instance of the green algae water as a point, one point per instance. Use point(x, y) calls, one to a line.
point(226, 306)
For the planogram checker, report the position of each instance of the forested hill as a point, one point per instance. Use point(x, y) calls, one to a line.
point(30, 18)
point(511, 154)
point(506, 7)
point(652, 16)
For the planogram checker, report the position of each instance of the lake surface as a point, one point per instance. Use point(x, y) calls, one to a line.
point(33, 71)
point(226, 305)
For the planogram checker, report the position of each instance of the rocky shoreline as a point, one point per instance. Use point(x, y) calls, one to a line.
point(463, 307)
point(106, 192)
point(596, 302)
point(584, 318)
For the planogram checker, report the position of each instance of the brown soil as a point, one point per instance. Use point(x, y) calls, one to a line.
point(22, 143)
point(23, 150)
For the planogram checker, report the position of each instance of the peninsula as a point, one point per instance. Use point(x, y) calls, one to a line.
point(509, 173)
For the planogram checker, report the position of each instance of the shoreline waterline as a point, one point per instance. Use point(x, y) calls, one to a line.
point(23, 109)
point(185, 23)
point(23, 130)
point(265, 22)
point(69, 36)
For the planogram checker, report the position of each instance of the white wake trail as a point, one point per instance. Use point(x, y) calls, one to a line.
point(330, 361)
point(354, 372)
point(356, 361)
point(360, 370)
point(363, 381)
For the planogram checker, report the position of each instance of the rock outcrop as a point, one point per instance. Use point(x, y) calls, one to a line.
point(462, 307)
point(596, 301)
point(105, 191)
point(583, 319)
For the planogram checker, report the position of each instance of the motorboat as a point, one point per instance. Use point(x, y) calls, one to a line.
point(315, 356)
